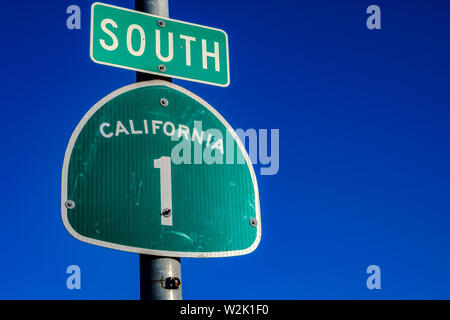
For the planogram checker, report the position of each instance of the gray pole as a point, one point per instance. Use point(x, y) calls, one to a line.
point(159, 8)
point(160, 277)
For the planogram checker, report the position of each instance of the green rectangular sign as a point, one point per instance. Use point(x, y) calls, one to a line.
point(147, 43)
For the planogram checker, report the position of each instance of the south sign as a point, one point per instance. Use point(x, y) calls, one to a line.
point(147, 43)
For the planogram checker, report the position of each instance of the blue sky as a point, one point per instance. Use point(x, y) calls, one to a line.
point(364, 149)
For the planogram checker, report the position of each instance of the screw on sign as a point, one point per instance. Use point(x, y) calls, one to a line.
point(161, 23)
point(164, 102)
point(162, 68)
point(151, 178)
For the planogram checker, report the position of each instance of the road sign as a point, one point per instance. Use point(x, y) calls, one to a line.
point(154, 169)
point(147, 43)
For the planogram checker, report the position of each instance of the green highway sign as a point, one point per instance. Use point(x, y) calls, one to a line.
point(154, 169)
point(147, 43)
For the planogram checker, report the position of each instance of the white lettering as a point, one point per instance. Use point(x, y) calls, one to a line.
point(106, 135)
point(188, 47)
point(206, 54)
point(130, 30)
point(167, 133)
point(155, 125)
point(196, 134)
point(183, 130)
point(218, 145)
point(115, 42)
point(121, 128)
point(132, 128)
point(158, 47)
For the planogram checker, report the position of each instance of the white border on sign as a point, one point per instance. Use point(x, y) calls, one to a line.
point(91, 53)
point(101, 243)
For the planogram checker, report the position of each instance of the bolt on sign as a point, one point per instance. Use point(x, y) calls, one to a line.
point(154, 169)
point(147, 43)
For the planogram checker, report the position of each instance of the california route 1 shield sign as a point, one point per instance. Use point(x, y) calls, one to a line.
point(154, 169)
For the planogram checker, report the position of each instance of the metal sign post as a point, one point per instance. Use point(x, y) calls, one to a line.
point(158, 275)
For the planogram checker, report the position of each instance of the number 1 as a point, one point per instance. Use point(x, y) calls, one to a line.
point(164, 165)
